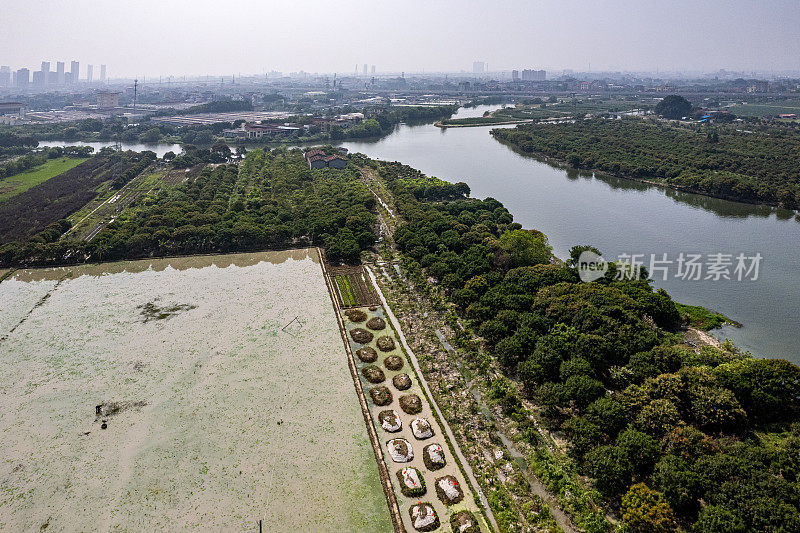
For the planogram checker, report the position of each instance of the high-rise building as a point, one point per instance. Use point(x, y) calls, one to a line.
point(60, 78)
point(373, 70)
point(533, 75)
point(5, 76)
point(38, 78)
point(515, 75)
point(75, 69)
point(45, 71)
point(23, 77)
point(365, 69)
point(102, 73)
point(478, 67)
point(89, 73)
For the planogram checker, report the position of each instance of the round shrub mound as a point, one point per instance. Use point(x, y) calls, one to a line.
point(356, 315)
point(423, 517)
point(448, 490)
point(385, 343)
point(373, 374)
point(464, 522)
point(367, 354)
point(410, 403)
point(376, 323)
point(390, 420)
point(421, 428)
point(393, 362)
point(361, 336)
point(433, 457)
point(401, 382)
point(412, 484)
point(400, 450)
point(381, 395)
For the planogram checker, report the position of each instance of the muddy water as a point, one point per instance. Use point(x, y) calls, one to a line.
point(161, 264)
point(230, 403)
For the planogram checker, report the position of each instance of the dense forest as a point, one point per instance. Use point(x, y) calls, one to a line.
point(761, 166)
point(672, 436)
point(272, 200)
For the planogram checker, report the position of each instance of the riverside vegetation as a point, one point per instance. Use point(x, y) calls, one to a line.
point(377, 124)
point(671, 436)
point(757, 165)
point(272, 200)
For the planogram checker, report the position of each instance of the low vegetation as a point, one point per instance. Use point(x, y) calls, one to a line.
point(37, 216)
point(17, 183)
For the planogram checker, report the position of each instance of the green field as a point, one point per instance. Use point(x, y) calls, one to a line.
point(766, 109)
point(344, 288)
point(13, 185)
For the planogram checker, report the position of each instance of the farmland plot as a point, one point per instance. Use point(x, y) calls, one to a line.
point(191, 393)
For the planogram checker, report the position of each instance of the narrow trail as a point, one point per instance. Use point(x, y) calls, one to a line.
point(536, 486)
point(415, 363)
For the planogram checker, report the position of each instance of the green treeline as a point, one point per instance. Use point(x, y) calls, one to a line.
point(31, 160)
point(761, 166)
point(271, 201)
point(384, 122)
point(672, 436)
point(117, 129)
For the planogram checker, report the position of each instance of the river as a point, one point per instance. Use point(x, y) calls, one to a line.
point(622, 217)
point(159, 148)
point(625, 217)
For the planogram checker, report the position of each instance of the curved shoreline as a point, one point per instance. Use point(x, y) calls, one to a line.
point(442, 125)
point(562, 163)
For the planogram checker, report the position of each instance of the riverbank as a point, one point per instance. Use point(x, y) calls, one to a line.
point(443, 124)
point(720, 162)
point(563, 164)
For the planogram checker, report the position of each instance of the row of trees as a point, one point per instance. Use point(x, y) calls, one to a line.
point(671, 435)
point(28, 213)
point(272, 200)
point(754, 166)
point(34, 159)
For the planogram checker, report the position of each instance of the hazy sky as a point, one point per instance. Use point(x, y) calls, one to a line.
point(153, 37)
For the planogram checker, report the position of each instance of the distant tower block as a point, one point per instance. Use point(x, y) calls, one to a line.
point(102, 73)
point(45, 72)
point(60, 78)
point(365, 69)
point(75, 69)
point(373, 70)
point(89, 72)
point(107, 99)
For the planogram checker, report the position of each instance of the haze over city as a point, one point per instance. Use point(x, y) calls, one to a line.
point(152, 38)
point(398, 267)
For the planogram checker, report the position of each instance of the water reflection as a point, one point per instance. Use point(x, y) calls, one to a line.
point(718, 206)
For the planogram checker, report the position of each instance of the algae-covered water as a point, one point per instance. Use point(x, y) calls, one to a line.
point(223, 385)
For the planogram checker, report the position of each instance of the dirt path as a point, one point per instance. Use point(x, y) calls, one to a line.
point(537, 487)
point(466, 466)
point(391, 500)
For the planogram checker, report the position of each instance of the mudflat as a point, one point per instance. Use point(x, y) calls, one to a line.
point(207, 392)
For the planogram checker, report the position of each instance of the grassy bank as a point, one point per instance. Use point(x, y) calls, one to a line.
point(13, 185)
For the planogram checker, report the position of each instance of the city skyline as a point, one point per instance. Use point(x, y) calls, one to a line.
point(688, 36)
